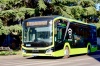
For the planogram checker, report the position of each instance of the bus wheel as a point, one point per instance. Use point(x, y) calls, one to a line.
point(89, 51)
point(66, 53)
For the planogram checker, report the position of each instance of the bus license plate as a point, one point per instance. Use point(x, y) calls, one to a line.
point(35, 55)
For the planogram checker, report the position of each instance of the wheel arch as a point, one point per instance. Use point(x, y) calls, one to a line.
point(88, 46)
point(66, 45)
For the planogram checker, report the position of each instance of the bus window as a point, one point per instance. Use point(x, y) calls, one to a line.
point(32, 34)
point(77, 35)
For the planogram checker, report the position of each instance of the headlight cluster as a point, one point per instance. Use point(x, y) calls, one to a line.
point(23, 51)
point(28, 45)
point(49, 50)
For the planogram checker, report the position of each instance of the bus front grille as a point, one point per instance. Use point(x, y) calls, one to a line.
point(38, 44)
point(35, 51)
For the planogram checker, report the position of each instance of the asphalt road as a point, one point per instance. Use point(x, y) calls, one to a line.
point(79, 60)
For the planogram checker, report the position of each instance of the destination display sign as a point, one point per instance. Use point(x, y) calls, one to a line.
point(37, 23)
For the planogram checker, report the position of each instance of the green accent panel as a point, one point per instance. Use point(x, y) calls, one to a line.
point(63, 24)
point(93, 49)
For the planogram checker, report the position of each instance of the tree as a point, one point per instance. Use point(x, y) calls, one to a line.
point(12, 12)
point(10, 4)
point(86, 3)
point(17, 10)
point(1, 24)
point(77, 11)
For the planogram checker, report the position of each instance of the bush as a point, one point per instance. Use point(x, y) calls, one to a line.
point(8, 53)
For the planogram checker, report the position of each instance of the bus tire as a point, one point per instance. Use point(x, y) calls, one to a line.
point(88, 51)
point(66, 53)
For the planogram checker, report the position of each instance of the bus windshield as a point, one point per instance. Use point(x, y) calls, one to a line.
point(37, 34)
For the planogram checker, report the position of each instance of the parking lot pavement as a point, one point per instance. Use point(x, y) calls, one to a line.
point(80, 60)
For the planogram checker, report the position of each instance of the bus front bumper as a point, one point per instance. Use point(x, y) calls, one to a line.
point(47, 53)
point(34, 55)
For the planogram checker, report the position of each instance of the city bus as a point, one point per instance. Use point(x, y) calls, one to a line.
point(57, 36)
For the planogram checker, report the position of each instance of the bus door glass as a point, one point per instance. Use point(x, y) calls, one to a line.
point(60, 28)
point(59, 33)
point(34, 32)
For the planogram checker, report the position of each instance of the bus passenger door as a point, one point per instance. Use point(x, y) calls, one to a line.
point(59, 39)
point(59, 35)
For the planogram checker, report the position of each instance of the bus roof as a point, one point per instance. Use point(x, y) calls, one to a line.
point(77, 21)
point(42, 17)
point(56, 16)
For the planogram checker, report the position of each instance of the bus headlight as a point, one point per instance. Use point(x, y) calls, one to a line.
point(28, 45)
point(49, 51)
point(23, 51)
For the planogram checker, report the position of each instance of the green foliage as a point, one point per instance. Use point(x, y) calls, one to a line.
point(53, 1)
point(15, 28)
point(15, 9)
point(89, 11)
point(16, 13)
point(70, 2)
point(98, 13)
point(41, 5)
point(22, 11)
point(8, 53)
point(66, 2)
point(7, 14)
point(77, 11)
point(68, 12)
point(61, 1)
point(65, 11)
point(5, 30)
point(1, 24)
point(86, 3)
point(10, 4)
point(29, 11)
point(96, 1)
